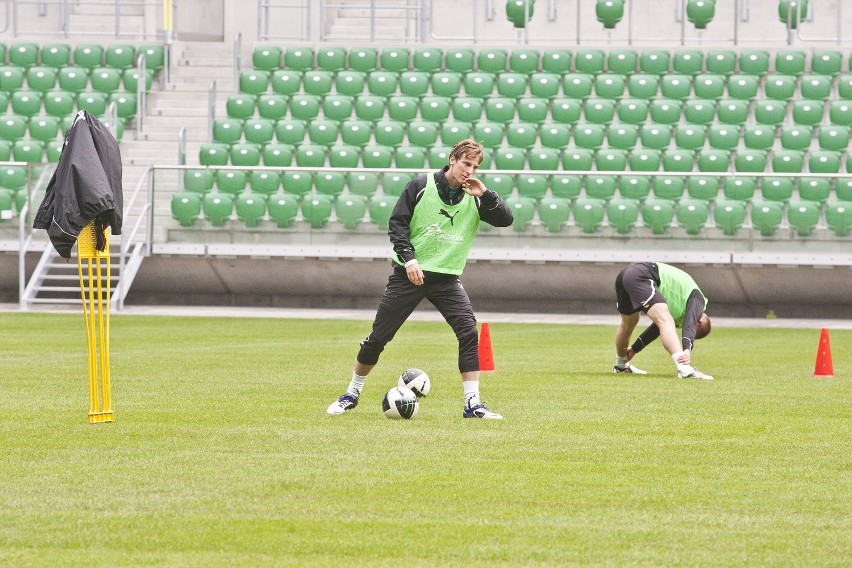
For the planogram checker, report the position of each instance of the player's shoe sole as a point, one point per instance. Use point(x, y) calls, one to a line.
point(628, 369)
point(342, 404)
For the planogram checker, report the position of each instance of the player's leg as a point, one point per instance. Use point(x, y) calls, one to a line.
point(452, 301)
point(660, 315)
point(627, 280)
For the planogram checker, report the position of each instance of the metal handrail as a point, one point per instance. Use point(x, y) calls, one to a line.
point(127, 239)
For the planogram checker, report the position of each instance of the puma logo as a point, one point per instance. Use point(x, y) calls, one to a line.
point(448, 216)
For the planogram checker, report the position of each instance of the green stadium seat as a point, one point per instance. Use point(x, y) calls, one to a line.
point(155, 56)
point(459, 60)
point(331, 59)
point(272, 106)
point(520, 134)
point(120, 56)
point(283, 209)
point(574, 86)
point(796, 137)
point(54, 55)
point(305, 107)
point(240, 106)
point(453, 132)
point(553, 213)
point(622, 136)
point(622, 214)
point(703, 188)
point(512, 85)
point(364, 59)
point(356, 132)
point(555, 61)
point(12, 127)
point(743, 87)
point(544, 158)
point(533, 110)
point(414, 83)
point(300, 58)
point(611, 160)
point(826, 62)
point(815, 189)
point(253, 82)
point(844, 87)
point(329, 183)
point(350, 210)
point(410, 157)
point(217, 208)
point(565, 186)
point(633, 111)
point(93, 102)
point(678, 160)
point(699, 111)
point(657, 215)
point(779, 87)
point(509, 158)
point(609, 86)
point(532, 186)
point(287, 82)
point(834, 138)
point(186, 208)
point(380, 209)
point(713, 160)
point(23, 54)
point(599, 111)
point(322, 132)
point(656, 136)
point(489, 134)
point(700, 12)
point(808, 112)
point(739, 188)
point(692, 215)
point(665, 111)
point(723, 136)
point(44, 128)
point(350, 83)
point(227, 130)
point(425, 133)
point(824, 162)
point(59, 103)
point(232, 182)
point(776, 189)
point(250, 208)
point(344, 156)
point(654, 62)
point(377, 156)
point(369, 107)
point(733, 111)
point(788, 161)
point(502, 184)
point(588, 214)
point(522, 60)
point(838, 217)
point(590, 136)
point(317, 82)
point(427, 59)
point(590, 61)
point(446, 84)
point(578, 159)
point(609, 12)
point(750, 161)
point(264, 182)
point(434, 108)
point(41, 78)
point(464, 109)
point(721, 61)
point(770, 112)
point(72, 79)
point(754, 62)
point(198, 181)
point(28, 103)
point(13, 178)
point(297, 183)
point(668, 187)
point(125, 104)
point(766, 217)
point(840, 112)
point(759, 136)
point(790, 62)
point(553, 136)
point(729, 216)
point(803, 217)
point(545, 85)
point(690, 136)
point(5, 150)
point(492, 60)
point(291, 131)
point(676, 87)
point(600, 187)
point(711, 87)
point(564, 110)
point(88, 55)
point(634, 187)
point(645, 160)
point(816, 87)
point(523, 211)
point(316, 210)
point(311, 155)
point(130, 79)
point(622, 61)
point(643, 86)
point(364, 184)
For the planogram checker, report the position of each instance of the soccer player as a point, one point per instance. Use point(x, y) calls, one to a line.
point(671, 298)
point(431, 229)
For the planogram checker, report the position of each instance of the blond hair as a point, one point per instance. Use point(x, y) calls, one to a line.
point(468, 148)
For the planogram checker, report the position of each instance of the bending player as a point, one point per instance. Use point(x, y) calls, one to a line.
point(672, 299)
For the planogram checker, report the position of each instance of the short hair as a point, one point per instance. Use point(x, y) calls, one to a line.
point(703, 329)
point(468, 148)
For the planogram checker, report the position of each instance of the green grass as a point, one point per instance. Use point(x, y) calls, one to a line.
point(221, 453)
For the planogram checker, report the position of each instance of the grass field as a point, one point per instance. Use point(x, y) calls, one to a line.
point(221, 453)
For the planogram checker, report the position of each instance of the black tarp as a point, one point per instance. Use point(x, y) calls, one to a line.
point(85, 187)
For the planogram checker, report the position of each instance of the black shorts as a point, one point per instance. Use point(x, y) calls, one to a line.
point(637, 288)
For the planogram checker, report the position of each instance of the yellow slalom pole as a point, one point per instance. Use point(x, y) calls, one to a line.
point(96, 302)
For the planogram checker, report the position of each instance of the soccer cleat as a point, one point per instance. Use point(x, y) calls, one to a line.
point(480, 411)
point(345, 402)
point(695, 374)
point(628, 368)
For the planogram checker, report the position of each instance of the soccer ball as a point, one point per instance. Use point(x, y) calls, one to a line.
point(416, 380)
point(400, 402)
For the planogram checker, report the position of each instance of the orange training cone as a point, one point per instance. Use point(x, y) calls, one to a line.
point(823, 366)
point(486, 356)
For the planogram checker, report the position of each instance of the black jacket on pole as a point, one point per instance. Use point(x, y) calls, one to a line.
point(85, 187)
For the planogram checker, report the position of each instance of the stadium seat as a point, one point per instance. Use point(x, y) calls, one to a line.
point(840, 113)
point(754, 62)
point(283, 209)
point(553, 213)
point(609, 12)
point(588, 214)
point(247, 154)
point(232, 182)
point(790, 62)
point(622, 136)
point(676, 87)
point(668, 187)
point(656, 136)
point(344, 156)
point(300, 58)
point(634, 187)
point(329, 183)
point(382, 83)
point(838, 217)
point(240, 105)
point(310, 156)
point(290, 131)
point(632, 111)
point(589, 136)
point(552, 136)
point(459, 59)
point(708, 86)
point(377, 156)
point(545, 85)
point(565, 110)
point(350, 83)
point(590, 61)
point(654, 62)
point(509, 158)
point(523, 211)
point(645, 160)
point(502, 184)
point(369, 107)
point(305, 107)
point(72, 79)
point(824, 162)
point(803, 217)
point(125, 104)
point(700, 12)
point(59, 103)
point(723, 136)
point(23, 54)
point(331, 59)
point(826, 62)
point(28, 103)
point(770, 112)
point(120, 56)
point(690, 136)
point(578, 159)
point(464, 109)
point(703, 188)
point(414, 83)
point(44, 128)
point(808, 112)
point(41, 78)
point(425, 133)
point(759, 137)
point(453, 132)
point(186, 208)
point(250, 208)
point(155, 56)
point(266, 57)
point(816, 87)
point(609, 86)
point(665, 111)
point(365, 184)
point(317, 82)
point(844, 87)
point(565, 186)
point(380, 209)
point(834, 138)
point(739, 188)
point(743, 87)
point(335, 107)
point(532, 186)
point(54, 55)
point(622, 214)
point(657, 215)
point(776, 189)
point(356, 132)
point(678, 160)
point(721, 61)
point(427, 59)
point(287, 82)
point(217, 208)
point(532, 109)
point(393, 184)
point(544, 158)
point(316, 210)
point(611, 160)
point(643, 86)
point(264, 182)
point(788, 161)
point(363, 59)
point(323, 132)
point(729, 216)
point(445, 84)
point(843, 187)
point(213, 154)
point(512, 85)
point(520, 134)
point(766, 216)
point(600, 187)
point(410, 157)
point(713, 160)
point(491, 60)
point(692, 215)
point(555, 61)
point(796, 137)
point(489, 134)
point(227, 130)
point(253, 82)
point(733, 111)
point(699, 111)
point(297, 183)
point(779, 87)
point(622, 61)
point(198, 181)
point(350, 210)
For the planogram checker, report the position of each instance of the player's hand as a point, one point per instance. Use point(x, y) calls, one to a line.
point(473, 187)
point(684, 357)
point(415, 274)
point(630, 354)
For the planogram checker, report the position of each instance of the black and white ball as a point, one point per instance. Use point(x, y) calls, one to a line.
point(400, 402)
point(416, 380)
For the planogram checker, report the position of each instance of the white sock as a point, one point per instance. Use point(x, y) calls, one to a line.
point(356, 384)
point(684, 369)
point(471, 392)
point(620, 361)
